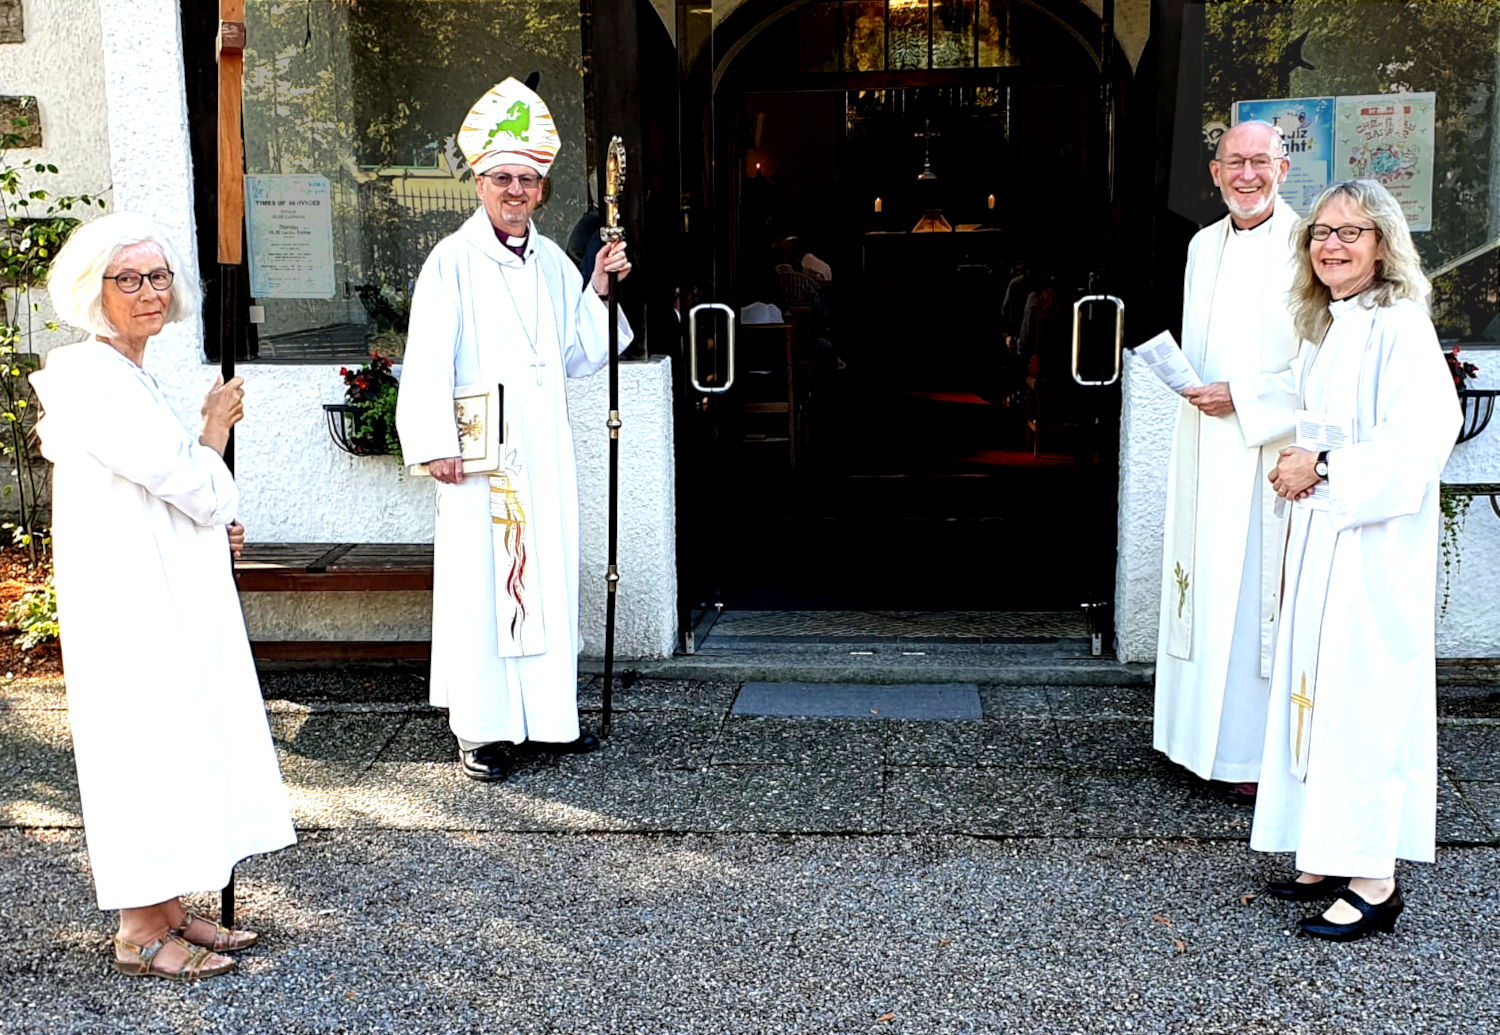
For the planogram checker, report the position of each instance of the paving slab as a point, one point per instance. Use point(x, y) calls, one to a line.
point(1102, 702)
point(791, 798)
point(1459, 819)
point(1470, 751)
point(1002, 701)
point(1484, 796)
point(976, 800)
point(1110, 744)
point(767, 740)
point(859, 701)
point(1169, 804)
point(658, 695)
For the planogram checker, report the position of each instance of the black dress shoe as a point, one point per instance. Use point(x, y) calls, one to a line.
point(582, 745)
point(1380, 917)
point(485, 762)
point(1301, 891)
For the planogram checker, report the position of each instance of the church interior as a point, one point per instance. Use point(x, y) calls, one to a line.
point(905, 430)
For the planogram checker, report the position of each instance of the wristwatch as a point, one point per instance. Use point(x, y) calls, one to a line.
point(1321, 467)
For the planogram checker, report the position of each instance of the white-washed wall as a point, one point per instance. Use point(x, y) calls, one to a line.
point(59, 64)
point(297, 486)
point(1467, 627)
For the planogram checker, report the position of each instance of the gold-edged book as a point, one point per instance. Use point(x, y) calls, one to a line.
point(479, 411)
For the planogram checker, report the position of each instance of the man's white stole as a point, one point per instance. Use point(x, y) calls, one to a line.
point(1195, 325)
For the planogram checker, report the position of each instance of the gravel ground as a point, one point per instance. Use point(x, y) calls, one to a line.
point(400, 931)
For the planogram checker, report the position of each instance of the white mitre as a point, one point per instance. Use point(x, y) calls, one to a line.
point(509, 125)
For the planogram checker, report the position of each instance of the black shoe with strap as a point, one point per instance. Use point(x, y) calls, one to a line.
point(1372, 918)
point(487, 762)
point(1306, 891)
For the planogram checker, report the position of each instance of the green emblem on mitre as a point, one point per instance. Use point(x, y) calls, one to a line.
point(515, 124)
point(509, 125)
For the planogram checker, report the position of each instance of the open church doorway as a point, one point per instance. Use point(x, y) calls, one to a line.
point(902, 307)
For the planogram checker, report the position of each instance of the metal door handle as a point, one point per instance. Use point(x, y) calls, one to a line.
point(1119, 337)
point(693, 347)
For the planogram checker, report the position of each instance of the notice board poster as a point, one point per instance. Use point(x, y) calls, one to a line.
point(1306, 124)
point(290, 221)
point(1389, 138)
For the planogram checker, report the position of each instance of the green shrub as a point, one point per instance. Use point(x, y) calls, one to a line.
point(35, 616)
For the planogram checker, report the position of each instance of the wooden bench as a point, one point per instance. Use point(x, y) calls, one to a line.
point(336, 568)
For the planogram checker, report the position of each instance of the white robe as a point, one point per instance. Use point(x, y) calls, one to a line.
point(1370, 793)
point(176, 769)
point(474, 303)
point(1220, 569)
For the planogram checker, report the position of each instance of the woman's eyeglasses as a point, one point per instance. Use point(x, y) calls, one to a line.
point(1347, 234)
point(130, 281)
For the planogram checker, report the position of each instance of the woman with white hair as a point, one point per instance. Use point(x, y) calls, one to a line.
point(1349, 768)
point(176, 770)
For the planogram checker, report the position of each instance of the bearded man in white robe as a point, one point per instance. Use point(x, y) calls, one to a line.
point(499, 304)
point(1221, 561)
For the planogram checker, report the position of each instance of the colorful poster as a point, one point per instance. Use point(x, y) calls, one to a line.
point(1389, 138)
point(290, 221)
point(1306, 123)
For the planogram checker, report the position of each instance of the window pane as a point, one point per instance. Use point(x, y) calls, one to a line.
point(864, 42)
point(817, 38)
point(350, 111)
point(953, 34)
point(909, 33)
point(994, 33)
point(1408, 94)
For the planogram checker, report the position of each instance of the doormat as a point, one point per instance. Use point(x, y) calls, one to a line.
point(859, 701)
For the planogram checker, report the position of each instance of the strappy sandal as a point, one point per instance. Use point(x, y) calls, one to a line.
point(224, 939)
point(192, 968)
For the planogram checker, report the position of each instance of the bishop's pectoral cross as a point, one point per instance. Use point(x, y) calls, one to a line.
point(536, 364)
point(1304, 705)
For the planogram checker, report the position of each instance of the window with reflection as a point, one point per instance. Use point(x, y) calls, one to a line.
point(1402, 93)
point(350, 113)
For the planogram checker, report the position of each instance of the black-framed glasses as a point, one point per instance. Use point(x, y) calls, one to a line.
point(503, 180)
point(130, 281)
point(1347, 234)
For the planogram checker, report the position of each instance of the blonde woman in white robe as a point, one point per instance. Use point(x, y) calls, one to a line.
point(1349, 768)
point(176, 770)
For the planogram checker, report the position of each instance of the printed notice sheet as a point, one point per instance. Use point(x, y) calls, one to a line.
point(1168, 363)
point(290, 221)
point(1315, 433)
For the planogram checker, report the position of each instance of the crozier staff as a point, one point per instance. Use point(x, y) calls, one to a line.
point(176, 770)
point(1349, 771)
point(498, 303)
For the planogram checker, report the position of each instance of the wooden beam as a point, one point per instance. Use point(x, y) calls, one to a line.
point(231, 46)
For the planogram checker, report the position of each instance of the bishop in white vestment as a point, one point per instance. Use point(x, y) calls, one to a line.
point(498, 303)
point(1221, 559)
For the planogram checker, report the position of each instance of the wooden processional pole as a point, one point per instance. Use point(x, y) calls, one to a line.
point(231, 50)
point(611, 231)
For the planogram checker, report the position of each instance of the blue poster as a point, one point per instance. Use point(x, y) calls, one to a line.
point(1306, 123)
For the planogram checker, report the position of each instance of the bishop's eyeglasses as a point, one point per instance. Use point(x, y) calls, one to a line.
point(503, 180)
point(130, 281)
point(1347, 234)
